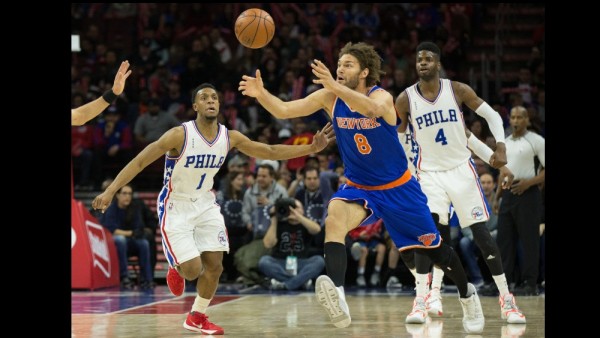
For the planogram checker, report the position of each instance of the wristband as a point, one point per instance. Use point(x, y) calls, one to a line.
point(109, 96)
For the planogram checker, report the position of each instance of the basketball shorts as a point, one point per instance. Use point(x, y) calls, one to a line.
point(404, 212)
point(190, 226)
point(458, 186)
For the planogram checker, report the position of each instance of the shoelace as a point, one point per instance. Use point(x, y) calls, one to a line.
point(419, 304)
point(509, 304)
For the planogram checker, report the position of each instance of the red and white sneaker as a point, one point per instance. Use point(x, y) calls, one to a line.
point(175, 282)
point(433, 301)
point(198, 322)
point(510, 311)
point(419, 312)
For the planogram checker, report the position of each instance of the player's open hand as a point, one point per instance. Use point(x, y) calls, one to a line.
point(102, 201)
point(251, 86)
point(323, 137)
point(120, 78)
point(323, 75)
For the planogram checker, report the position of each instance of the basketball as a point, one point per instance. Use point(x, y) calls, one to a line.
point(254, 28)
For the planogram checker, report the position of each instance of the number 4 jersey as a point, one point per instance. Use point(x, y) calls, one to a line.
point(438, 129)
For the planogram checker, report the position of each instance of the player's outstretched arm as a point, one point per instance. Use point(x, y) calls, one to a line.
point(281, 151)
point(467, 96)
point(253, 87)
point(88, 111)
point(172, 139)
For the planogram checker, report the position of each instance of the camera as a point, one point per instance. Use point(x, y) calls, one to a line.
point(282, 206)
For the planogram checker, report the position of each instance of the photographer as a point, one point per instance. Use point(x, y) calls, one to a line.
point(124, 221)
point(289, 233)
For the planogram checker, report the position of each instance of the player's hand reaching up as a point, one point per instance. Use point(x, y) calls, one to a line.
point(102, 201)
point(323, 75)
point(323, 137)
point(120, 78)
point(251, 86)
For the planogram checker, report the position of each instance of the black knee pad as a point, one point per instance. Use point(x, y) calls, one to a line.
point(444, 229)
point(440, 256)
point(408, 257)
point(484, 240)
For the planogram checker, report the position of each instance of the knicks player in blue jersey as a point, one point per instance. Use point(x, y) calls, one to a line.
point(445, 169)
point(379, 184)
point(192, 227)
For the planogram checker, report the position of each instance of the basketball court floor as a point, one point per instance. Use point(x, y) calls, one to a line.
point(256, 312)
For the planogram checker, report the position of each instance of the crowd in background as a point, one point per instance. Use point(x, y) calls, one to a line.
point(174, 47)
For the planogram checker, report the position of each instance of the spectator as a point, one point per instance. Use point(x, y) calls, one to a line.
point(255, 214)
point(124, 221)
point(230, 199)
point(150, 127)
point(289, 265)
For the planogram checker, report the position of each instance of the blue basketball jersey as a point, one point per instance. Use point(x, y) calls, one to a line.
point(369, 146)
point(379, 179)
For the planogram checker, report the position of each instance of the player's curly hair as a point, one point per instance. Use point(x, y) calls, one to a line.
point(429, 46)
point(367, 58)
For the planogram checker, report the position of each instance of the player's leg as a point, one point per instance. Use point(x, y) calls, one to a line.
point(342, 217)
point(211, 241)
point(178, 243)
point(438, 202)
point(470, 205)
point(410, 225)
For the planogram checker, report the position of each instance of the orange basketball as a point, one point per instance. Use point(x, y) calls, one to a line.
point(254, 28)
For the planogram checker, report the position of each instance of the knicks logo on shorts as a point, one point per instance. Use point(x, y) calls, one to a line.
point(427, 239)
point(222, 238)
point(477, 213)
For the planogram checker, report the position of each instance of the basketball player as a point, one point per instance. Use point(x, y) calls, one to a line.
point(88, 111)
point(193, 230)
point(379, 184)
point(444, 166)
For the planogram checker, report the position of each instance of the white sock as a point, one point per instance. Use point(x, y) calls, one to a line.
point(377, 268)
point(422, 286)
point(414, 272)
point(361, 270)
point(200, 304)
point(438, 276)
point(501, 284)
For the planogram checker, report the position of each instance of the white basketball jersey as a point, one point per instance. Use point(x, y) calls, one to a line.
point(438, 129)
point(191, 174)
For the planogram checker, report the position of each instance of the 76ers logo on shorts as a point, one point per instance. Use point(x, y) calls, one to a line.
point(427, 239)
point(222, 238)
point(477, 213)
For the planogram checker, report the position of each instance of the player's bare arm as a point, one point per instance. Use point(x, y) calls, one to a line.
point(170, 142)
point(465, 94)
point(378, 104)
point(402, 109)
point(281, 151)
point(254, 87)
point(88, 111)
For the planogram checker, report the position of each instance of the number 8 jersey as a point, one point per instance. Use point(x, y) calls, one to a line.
point(438, 129)
point(369, 147)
